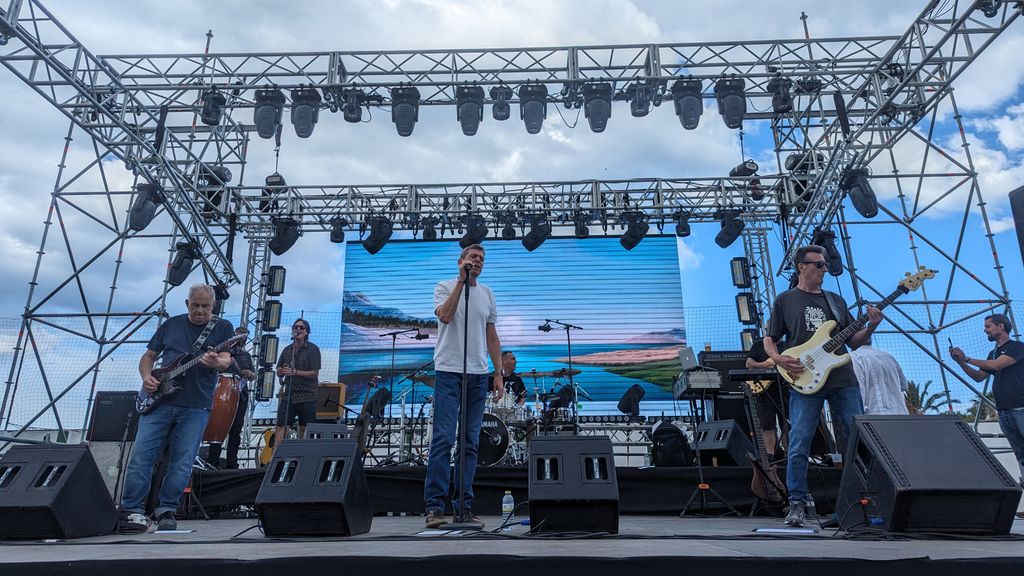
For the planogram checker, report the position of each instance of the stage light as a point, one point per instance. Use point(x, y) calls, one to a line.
point(267, 379)
point(533, 106)
point(338, 229)
point(271, 315)
point(220, 292)
point(732, 227)
point(746, 308)
point(827, 239)
point(476, 230)
point(352, 108)
point(639, 95)
point(990, 8)
point(747, 338)
point(275, 280)
point(540, 230)
point(744, 169)
point(469, 109)
point(682, 219)
point(405, 109)
point(581, 223)
point(545, 327)
point(268, 349)
point(501, 110)
point(286, 232)
point(740, 267)
point(597, 105)
point(267, 110)
point(429, 228)
point(629, 404)
point(184, 258)
point(732, 102)
point(688, 101)
point(147, 197)
point(855, 184)
point(636, 229)
point(274, 187)
point(509, 231)
point(381, 229)
point(305, 110)
point(782, 101)
point(213, 107)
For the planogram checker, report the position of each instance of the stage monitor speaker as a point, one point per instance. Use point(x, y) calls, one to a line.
point(669, 446)
point(53, 491)
point(315, 488)
point(111, 413)
point(572, 485)
point(950, 482)
point(1017, 210)
point(722, 443)
point(326, 431)
point(330, 400)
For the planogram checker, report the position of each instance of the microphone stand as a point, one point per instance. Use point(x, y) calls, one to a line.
point(460, 521)
point(391, 381)
point(572, 385)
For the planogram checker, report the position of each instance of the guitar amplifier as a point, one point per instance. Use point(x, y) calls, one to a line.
point(330, 401)
point(112, 412)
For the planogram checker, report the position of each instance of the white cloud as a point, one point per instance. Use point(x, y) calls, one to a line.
point(1009, 127)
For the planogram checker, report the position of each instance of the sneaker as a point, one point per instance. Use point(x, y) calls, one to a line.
point(132, 523)
point(435, 518)
point(468, 516)
point(166, 521)
point(796, 515)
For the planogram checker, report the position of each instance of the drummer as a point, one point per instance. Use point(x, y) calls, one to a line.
point(514, 387)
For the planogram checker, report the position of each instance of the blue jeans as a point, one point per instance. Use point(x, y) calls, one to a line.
point(804, 413)
point(447, 398)
point(181, 429)
point(1012, 423)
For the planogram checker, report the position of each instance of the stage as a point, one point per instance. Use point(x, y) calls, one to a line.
point(645, 544)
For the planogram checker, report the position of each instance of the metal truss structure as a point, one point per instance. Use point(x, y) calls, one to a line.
point(855, 102)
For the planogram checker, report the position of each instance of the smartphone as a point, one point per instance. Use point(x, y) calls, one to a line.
point(950, 342)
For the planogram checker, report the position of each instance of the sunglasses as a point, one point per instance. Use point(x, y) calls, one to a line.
point(819, 264)
point(298, 328)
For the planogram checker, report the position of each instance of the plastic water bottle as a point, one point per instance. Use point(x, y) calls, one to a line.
point(508, 505)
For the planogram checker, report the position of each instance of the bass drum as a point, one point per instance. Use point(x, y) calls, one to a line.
point(493, 441)
point(225, 403)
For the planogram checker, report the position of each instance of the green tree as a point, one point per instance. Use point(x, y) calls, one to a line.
point(921, 402)
point(988, 413)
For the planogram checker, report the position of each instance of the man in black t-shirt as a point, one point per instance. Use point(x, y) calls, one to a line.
point(298, 366)
point(514, 387)
point(796, 314)
point(1005, 364)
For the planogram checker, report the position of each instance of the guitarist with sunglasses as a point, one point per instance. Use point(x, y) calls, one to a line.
point(796, 314)
point(178, 420)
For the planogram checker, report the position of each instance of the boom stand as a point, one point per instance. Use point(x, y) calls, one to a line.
point(572, 384)
point(703, 488)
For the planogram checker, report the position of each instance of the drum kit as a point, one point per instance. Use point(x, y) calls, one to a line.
point(508, 423)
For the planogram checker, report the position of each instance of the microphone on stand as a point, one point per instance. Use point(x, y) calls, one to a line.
point(420, 336)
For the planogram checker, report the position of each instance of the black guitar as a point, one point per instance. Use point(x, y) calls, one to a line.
point(765, 484)
point(168, 376)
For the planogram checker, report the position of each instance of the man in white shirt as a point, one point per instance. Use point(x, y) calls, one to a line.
point(882, 383)
point(463, 347)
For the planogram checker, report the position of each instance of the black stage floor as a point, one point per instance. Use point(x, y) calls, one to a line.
point(393, 546)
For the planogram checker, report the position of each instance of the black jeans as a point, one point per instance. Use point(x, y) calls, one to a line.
point(234, 434)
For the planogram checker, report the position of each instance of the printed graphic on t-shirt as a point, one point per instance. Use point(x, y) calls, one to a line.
point(813, 318)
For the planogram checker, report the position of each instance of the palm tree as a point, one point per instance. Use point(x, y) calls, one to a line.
point(988, 413)
point(920, 402)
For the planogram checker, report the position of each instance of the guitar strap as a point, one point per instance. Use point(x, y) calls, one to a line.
point(197, 346)
point(835, 309)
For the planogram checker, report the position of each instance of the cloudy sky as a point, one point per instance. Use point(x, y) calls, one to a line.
point(33, 134)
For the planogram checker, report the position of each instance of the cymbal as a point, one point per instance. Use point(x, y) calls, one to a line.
point(560, 373)
point(427, 379)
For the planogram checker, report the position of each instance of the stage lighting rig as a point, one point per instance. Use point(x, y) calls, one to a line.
point(990, 8)
point(381, 229)
point(855, 184)
point(581, 223)
point(597, 105)
point(732, 227)
point(688, 101)
point(213, 107)
point(732, 102)
point(744, 169)
point(740, 267)
point(782, 101)
point(184, 258)
point(501, 109)
point(476, 230)
point(540, 230)
point(746, 308)
point(286, 233)
point(469, 109)
point(305, 110)
point(636, 229)
point(826, 238)
point(682, 219)
point(353, 100)
point(429, 228)
point(147, 197)
point(639, 96)
point(267, 111)
point(338, 225)
point(533, 106)
point(275, 280)
point(405, 109)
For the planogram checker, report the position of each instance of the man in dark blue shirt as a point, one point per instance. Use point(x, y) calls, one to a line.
point(1005, 364)
point(179, 420)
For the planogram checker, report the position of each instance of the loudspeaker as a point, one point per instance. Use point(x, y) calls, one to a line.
point(111, 412)
point(315, 488)
point(722, 443)
point(572, 485)
point(924, 474)
point(53, 491)
point(325, 431)
point(111, 460)
point(1017, 210)
point(669, 446)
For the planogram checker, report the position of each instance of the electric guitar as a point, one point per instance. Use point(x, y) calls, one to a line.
point(765, 484)
point(168, 376)
point(818, 356)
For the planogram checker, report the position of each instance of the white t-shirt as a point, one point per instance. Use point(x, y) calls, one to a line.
point(882, 383)
point(450, 336)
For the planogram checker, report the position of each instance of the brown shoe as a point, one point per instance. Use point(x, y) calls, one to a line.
point(1020, 514)
point(435, 518)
